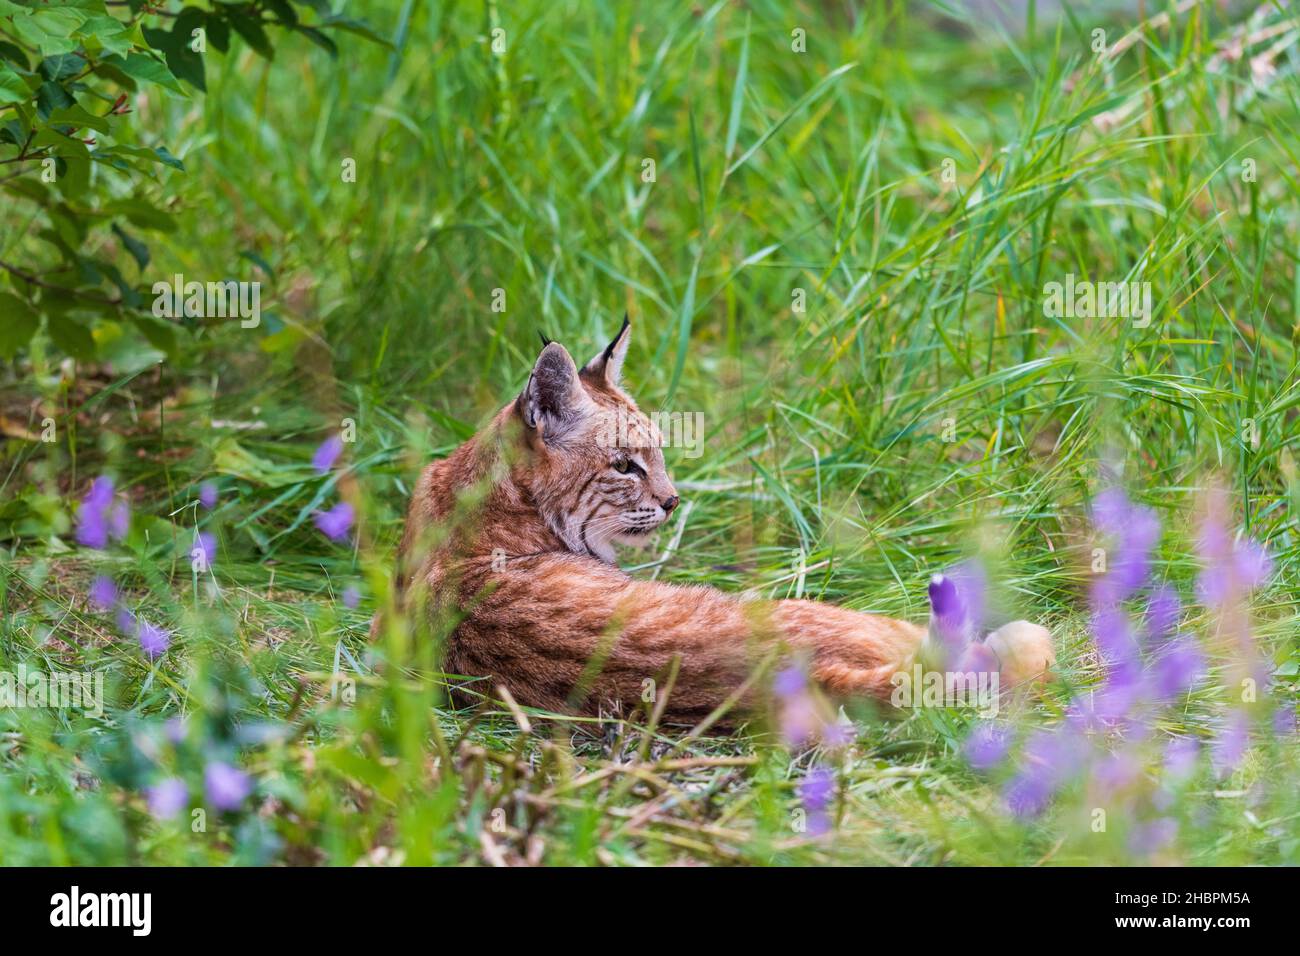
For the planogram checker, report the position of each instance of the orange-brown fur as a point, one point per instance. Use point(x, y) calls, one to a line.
point(551, 607)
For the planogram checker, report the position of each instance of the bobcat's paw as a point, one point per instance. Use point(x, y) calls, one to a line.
point(1024, 651)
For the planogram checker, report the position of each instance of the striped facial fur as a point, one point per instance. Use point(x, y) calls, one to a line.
point(597, 475)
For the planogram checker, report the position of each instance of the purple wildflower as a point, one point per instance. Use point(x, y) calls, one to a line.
point(956, 608)
point(100, 494)
point(1115, 638)
point(351, 596)
point(978, 658)
point(815, 792)
point(789, 682)
point(119, 520)
point(103, 593)
point(337, 522)
point(168, 798)
point(327, 454)
point(947, 614)
point(839, 733)
point(125, 620)
point(227, 787)
point(817, 788)
point(208, 495)
point(1252, 564)
point(972, 584)
point(1180, 757)
point(92, 524)
point(987, 746)
point(1110, 510)
point(1049, 760)
point(175, 730)
point(1133, 560)
point(206, 546)
point(1230, 571)
point(1230, 743)
point(800, 721)
point(1111, 704)
point(1180, 665)
point(154, 640)
point(1284, 719)
point(1135, 530)
point(1163, 611)
point(1028, 794)
point(1153, 836)
point(1117, 771)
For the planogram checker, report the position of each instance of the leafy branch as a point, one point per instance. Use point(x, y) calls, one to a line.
point(69, 74)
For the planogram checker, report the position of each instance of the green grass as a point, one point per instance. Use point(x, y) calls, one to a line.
point(775, 171)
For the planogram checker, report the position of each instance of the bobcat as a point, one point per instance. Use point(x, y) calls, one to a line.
point(509, 543)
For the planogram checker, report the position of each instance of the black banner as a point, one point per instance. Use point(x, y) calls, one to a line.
point(339, 905)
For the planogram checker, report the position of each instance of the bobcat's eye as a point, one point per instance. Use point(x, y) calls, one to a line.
point(622, 466)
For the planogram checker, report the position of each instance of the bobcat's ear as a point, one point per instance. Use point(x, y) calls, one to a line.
point(554, 400)
point(607, 366)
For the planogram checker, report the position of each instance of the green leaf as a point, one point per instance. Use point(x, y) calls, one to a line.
point(106, 33)
point(60, 142)
point(252, 32)
point(74, 175)
point(18, 323)
point(159, 154)
point(161, 334)
point(13, 53)
point(320, 39)
point(51, 97)
point(167, 159)
point(146, 68)
point(142, 214)
point(351, 25)
point(130, 297)
point(59, 68)
point(71, 337)
point(184, 62)
point(49, 30)
point(78, 117)
point(13, 88)
point(139, 251)
point(59, 21)
point(283, 12)
point(218, 31)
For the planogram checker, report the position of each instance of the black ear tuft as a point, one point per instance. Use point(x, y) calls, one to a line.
point(545, 340)
point(607, 366)
point(609, 349)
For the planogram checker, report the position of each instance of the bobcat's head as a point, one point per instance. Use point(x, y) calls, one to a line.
point(596, 468)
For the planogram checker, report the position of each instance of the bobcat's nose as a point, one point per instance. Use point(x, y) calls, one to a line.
point(670, 503)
